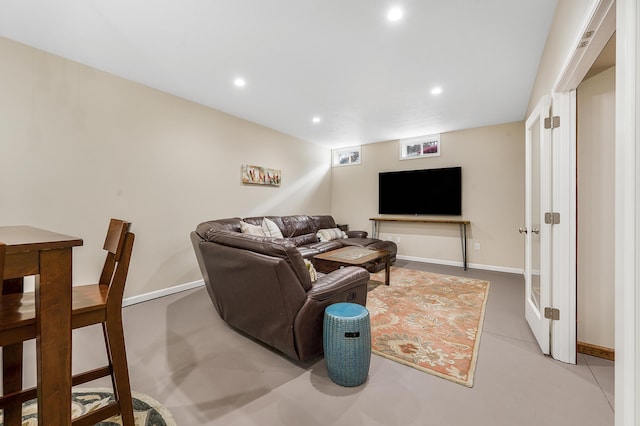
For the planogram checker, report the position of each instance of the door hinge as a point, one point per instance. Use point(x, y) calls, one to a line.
point(552, 218)
point(552, 122)
point(552, 313)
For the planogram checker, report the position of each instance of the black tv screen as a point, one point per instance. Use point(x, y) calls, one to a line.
point(421, 192)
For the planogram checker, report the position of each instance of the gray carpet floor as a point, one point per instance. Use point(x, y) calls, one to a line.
point(183, 355)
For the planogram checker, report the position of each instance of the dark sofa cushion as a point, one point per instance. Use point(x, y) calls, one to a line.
point(323, 222)
point(308, 252)
point(302, 240)
point(297, 225)
point(325, 246)
point(357, 234)
point(373, 244)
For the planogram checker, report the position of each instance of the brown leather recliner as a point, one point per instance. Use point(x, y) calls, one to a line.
point(262, 287)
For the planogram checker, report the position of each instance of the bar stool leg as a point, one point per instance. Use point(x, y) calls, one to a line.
point(114, 337)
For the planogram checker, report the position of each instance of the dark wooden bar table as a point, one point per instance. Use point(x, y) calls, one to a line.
point(48, 256)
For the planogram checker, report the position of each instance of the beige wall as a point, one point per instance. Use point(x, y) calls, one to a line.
point(492, 161)
point(561, 41)
point(79, 146)
point(596, 133)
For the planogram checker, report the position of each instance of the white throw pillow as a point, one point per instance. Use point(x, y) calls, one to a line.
point(270, 228)
point(312, 271)
point(247, 228)
point(330, 234)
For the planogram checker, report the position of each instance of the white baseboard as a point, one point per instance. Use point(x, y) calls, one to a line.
point(461, 264)
point(161, 293)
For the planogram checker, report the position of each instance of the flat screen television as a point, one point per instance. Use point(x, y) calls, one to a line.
point(421, 192)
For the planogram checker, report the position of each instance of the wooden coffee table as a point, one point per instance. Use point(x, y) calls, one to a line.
point(352, 256)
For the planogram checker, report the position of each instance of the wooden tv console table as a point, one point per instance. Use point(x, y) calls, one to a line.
point(461, 223)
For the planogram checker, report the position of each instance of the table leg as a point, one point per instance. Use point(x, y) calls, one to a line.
point(387, 269)
point(463, 241)
point(12, 381)
point(12, 362)
point(53, 341)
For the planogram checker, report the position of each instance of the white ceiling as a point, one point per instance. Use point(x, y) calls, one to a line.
point(368, 79)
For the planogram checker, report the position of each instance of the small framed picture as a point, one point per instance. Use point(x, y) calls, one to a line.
point(420, 147)
point(346, 156)
point(257, 175)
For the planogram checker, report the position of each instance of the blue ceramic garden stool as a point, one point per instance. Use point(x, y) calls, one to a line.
point(347, 343)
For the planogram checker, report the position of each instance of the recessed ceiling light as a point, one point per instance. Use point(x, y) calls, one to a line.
point(436, 90)
point(239, 82)
point(394, 14)
point(316, 119)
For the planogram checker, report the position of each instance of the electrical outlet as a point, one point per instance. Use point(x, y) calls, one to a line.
point(476, 246)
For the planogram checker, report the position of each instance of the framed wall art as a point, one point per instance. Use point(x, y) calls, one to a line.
point(346, 156)
point(420, 147)
point(257, 175)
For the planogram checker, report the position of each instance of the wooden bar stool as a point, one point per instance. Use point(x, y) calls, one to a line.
point(99, 303)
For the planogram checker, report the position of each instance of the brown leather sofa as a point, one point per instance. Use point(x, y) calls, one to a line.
point(301, 231)
point(262, 287)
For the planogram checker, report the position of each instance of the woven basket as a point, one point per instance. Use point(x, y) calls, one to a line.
point(347, 343)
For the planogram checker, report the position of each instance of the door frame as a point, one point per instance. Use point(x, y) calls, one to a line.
point(627, 212)
point(625, 15)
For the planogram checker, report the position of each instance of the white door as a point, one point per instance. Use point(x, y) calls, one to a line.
point(537, 233)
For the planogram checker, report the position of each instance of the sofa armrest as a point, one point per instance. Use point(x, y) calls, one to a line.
point(339, 281)
point(357, 234)
point(344, 285)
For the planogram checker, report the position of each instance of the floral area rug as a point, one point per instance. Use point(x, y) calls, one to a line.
point(428, 321)
point(146, 410)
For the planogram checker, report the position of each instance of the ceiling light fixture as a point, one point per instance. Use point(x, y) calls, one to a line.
point(239, 82)
point(394, 14)
point(436, 90)
point(316, 119)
